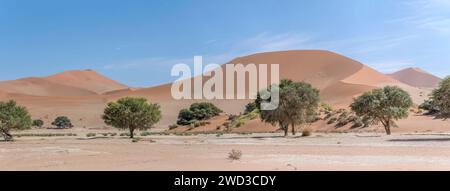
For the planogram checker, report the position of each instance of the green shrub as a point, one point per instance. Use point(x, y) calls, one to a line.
point(91, 135)
point(62, 122)
point(145, 133)
point(197, 112)
point(173, 126)
point(250, 107)
point(38, 123)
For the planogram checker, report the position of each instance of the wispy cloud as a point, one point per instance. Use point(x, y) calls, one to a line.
point(432, 15)
point(390, 66)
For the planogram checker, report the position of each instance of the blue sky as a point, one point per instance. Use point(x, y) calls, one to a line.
point(137, 41)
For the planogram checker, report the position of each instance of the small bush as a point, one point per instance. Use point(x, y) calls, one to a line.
point(358, 122)
point(112, 134)
point(91, 135)
point(306, 132)
point(250, 107)
point(145, 133)
point(62, 122)
point(38, 123)
point(235, 155)
point(332, 120)
point(105, 134)
point(173, 126)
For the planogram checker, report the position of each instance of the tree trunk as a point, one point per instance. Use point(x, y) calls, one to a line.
point(7, 136)
point(388, 128)
point(293, 129)
point(286, 130)
point(131, 133)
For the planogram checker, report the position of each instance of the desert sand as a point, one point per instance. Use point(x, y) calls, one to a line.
point(346, 151)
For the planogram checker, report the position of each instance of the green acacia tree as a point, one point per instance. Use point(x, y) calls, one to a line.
point(440, 98)
point(298, 102)
point(132, 114)
point(383, 105)
point(13, 117)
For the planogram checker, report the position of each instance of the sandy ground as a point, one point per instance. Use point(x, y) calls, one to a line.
point(345, 151)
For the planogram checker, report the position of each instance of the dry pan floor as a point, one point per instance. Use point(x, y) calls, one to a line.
point(208, 152)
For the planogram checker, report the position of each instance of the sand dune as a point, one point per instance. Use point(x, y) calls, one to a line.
point(416, 77)
point(82, 95)
point(41, 87)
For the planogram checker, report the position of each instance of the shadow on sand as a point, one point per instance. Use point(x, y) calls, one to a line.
point(420, 140)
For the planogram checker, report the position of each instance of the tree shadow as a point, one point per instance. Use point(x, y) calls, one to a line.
point(420, 140)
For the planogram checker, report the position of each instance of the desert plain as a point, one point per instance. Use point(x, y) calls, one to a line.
point(420, 142)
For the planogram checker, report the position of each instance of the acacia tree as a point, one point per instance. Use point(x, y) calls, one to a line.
point(383, 105)
point(132, 114)
point(440, 98)
point(13, 117)
point(298, 102)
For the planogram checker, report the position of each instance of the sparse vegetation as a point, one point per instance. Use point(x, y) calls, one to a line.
point(197, 112)
point(13, 117)
point(440, 99)
point(298, 103)
point(306, 132)
point(132, 114)
point(173, 126)
point(235, 155)
point(250, 107)
point(62, 122)
point(383, 105)
point(38, 123)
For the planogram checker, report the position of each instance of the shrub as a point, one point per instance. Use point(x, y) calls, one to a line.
point(132, 114)
point(326, 107)
point(235, 155)
point(306, 132)
point(332, 120)
point(357, 122)
point(62, 122)
point(250, 107)
point(91, 135)
point(173, 126)
point(146, 133)
point(197, 112)
point(112, 134)
point(38, 123)
point(429, 106)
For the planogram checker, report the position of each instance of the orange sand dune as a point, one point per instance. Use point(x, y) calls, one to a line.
point(86, 79)
point(41, 87)
point(339, 78)
point(416, 77)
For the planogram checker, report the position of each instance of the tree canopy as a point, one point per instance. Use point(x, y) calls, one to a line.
point(383, 105)
point(132, 114)
point(298, 103)
point(13, 117)
point(62, 122)
point(440, 98)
